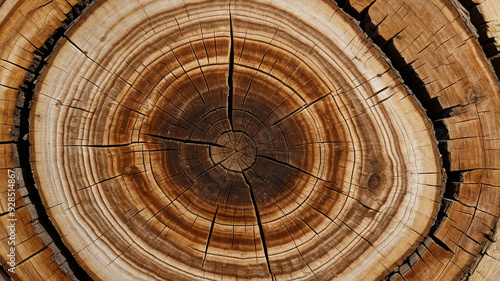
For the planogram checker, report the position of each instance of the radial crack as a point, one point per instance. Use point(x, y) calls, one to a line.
point(185, 141)
point(293, 167)
point(230, 72)
point(210, 234)
point(302, 108)
point(261, 229)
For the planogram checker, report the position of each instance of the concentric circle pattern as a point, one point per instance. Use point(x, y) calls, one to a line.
point(235, 151)
point(209, 140)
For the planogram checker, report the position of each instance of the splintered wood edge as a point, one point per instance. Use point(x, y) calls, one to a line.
point(486, 18)
point(34, 259)
point(478, 97)
point(485, 15)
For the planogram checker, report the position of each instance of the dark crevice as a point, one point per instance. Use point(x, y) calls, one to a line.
point(406, 265)
point(435, 112)
point(393, 276)
point(230, 72)
point(453, 185)
point(442, 133)
point(210, 235)
point(440, 243)
point(22, 147)
point(404, 68)
point(261, 229)
point(184, 141)
point(481, 25)
point(4, 275)
point(15, 64)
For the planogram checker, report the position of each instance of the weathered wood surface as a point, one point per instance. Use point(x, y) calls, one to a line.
point(485, 15)
point(457, 87)
point(222, 140)
point(24, 27)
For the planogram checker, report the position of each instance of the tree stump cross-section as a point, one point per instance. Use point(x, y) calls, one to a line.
point(261, 140)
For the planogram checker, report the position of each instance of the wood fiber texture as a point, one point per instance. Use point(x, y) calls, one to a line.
point(251, 139)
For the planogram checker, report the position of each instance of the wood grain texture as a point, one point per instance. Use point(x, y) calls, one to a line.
point(463, 94)
point(254, 140)
point(22, 31)
point(245, 144)
point(485, 15)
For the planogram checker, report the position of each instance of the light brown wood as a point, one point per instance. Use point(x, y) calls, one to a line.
point(253, 140)
point(281, 172)
point(21, 32)
point(486, 18)
point(485, 14)
point(458, 86)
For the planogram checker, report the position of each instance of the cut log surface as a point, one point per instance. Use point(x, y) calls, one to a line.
point(485, 14)
point(250, 140)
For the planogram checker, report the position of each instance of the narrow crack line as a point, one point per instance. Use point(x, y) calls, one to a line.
point(175, 105)
point(32, 255)
point(262, 86)
point(171, 202)
point(100, 182)
point(173, 117)
point(239, 165)
point(69, 264)
point(9, 87)
point(211, 126)
point(138, 72)
point(147, 155)
point(346, 195)
point(210, 235)
point(203, 41)
point(441, 244)
point(291, 190)
point(261, 229)
point(99, 65)
point(302, 108)
point(359, 235)
point(27, 39)
point(248, 90)
point(239, 139)
point(130, 109)
point(178, 25)
point(14, 64)
point(242, 149)
point(189, 78)
point(293, 167)
point(204, 77)
point(229, 167)
point(185, 141)
point(269, 187)
point(230, 72)
point(283, 85)
point(103, 145)
point(298, 250)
